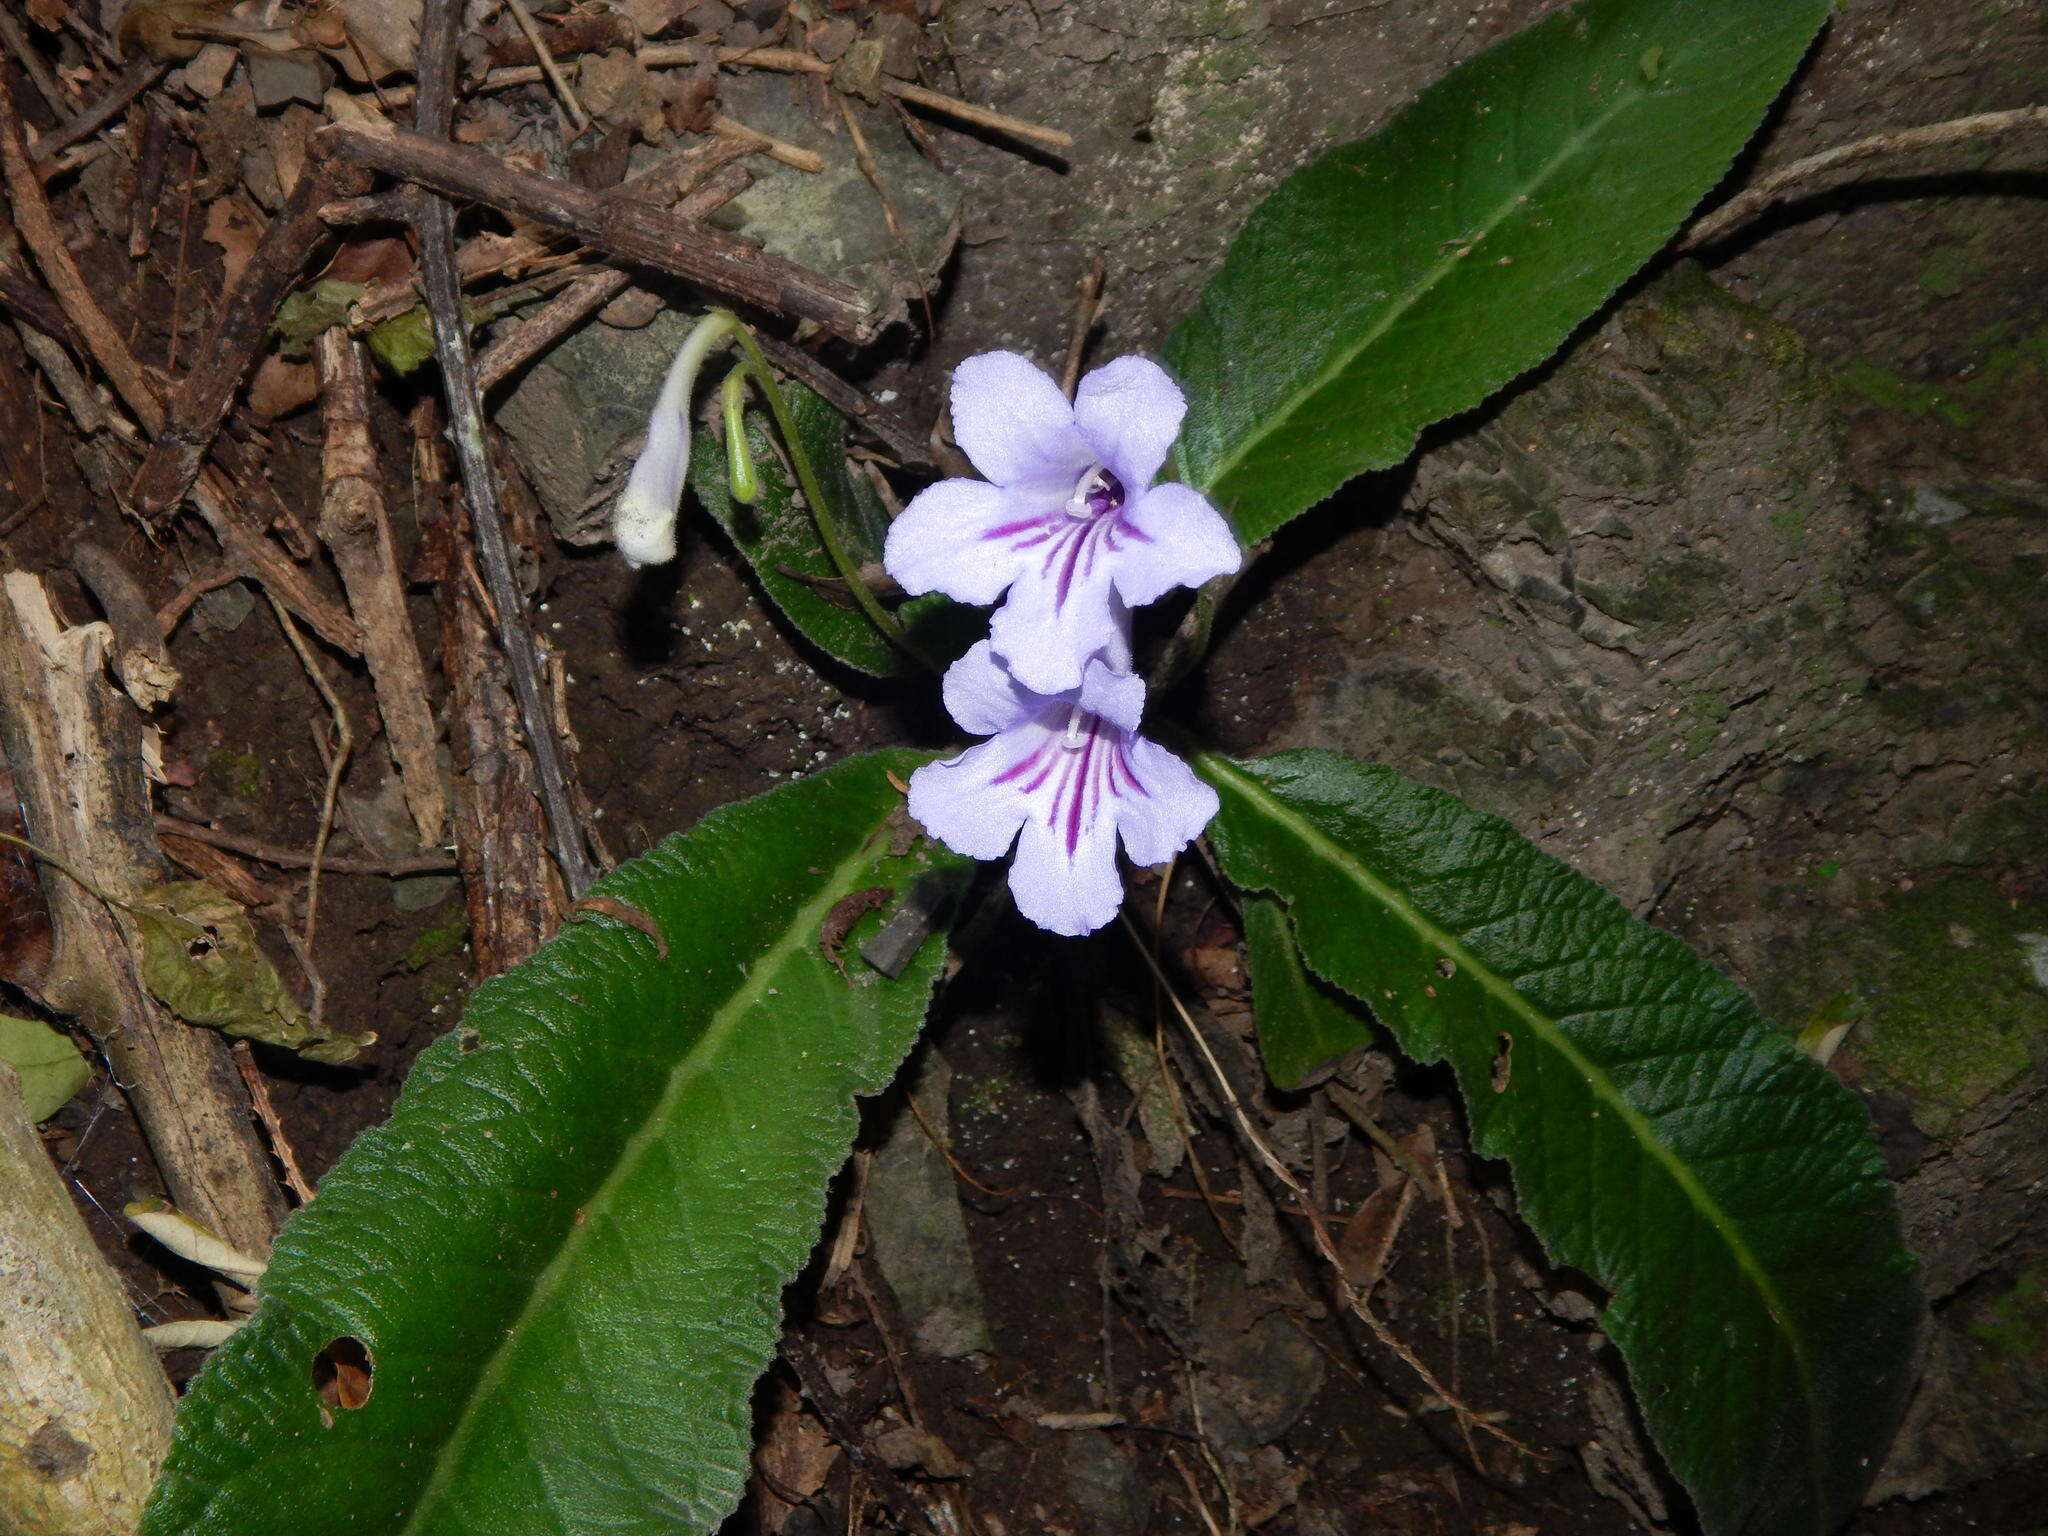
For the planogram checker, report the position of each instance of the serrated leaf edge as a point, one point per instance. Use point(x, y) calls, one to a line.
point(753, 989)
point(1503, 991)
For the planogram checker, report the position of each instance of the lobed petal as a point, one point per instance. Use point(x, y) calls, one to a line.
point(1130, 411)
point(1011, 420)
point(1115, 694)
point(965, 801)
point(1067, 888)
point(952, 539)
point(1055, 623)
point(983, 698)
point(1172, 538)
point(1163, 807)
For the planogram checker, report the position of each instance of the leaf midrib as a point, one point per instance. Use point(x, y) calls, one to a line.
point(752, 990)
point(1630, 97)
point(1596, 1079)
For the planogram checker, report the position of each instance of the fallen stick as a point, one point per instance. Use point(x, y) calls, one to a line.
point(482, 492)
point(1751, 201)
point(231, 350)
point(133, 81)
point(85, 1410)
point(587, 294)
point(711, 259)
point(357, 531)
point(76, 750)
point(792, 61)
point(38, 226)
point(247, 546)
point(501, 846)
point(295, 858)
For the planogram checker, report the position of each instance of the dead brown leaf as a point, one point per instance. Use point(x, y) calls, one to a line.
point(234, 227)
point(796, 1455)
point(281, 387)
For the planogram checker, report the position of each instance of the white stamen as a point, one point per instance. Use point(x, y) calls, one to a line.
point(1075, 735)
point(1090, 482)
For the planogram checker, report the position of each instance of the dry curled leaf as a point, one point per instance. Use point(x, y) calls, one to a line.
point(201, 960)
point(231, 226)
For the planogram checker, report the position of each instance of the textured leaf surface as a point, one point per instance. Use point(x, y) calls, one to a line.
point(1403, 278)
point(1663, 1136)
point(1304, 1022)
point(779, 538)
point(51, 1069)
point(565, 1252)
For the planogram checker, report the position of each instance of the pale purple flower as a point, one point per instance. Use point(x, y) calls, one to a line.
point(1068, 521)
point(1064, 776)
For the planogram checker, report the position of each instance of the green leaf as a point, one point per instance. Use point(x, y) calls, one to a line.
point(1304, 1022)
point(779, 539)
point(1405, 277)
point(563, 1256)
point(405, 342)
point(1663, 1136)
point(310, 311)
point(51, 1069)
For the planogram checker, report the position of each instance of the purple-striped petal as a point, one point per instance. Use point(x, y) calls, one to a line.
point(1172, 538)
point(1130, 412)
point(1065, 877)
point(974, 803)
point(1053, 625)
point(1167, 808)
point(1011, 420)
point(959, 537)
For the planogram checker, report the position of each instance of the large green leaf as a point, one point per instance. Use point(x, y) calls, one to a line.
point(1405, 277)
point(1663, 1136)
point(565, 1251)
point(1304, 1022)
point(779, 538)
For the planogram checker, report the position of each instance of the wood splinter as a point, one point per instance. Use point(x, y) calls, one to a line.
point(356, 529)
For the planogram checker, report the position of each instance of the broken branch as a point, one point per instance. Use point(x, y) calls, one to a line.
point(203, 399)
point(357, 531)
point(627, 229)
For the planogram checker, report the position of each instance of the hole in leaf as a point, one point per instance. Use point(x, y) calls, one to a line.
point(1503, 1062)
point(467, 1039)
point(1447, 967)
point(343, 1372)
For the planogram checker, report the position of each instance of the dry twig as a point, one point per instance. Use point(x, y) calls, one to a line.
point(1325, 1244)
point(357, 531)
point(1751, 201)
point(76, 751)
point(78, 1387)
point(723, 264)
point(202, 401)
point(434, 220)
point(337, 764)
point(293, 858)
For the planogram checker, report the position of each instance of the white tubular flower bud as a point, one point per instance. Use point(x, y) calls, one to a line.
point(644, 517)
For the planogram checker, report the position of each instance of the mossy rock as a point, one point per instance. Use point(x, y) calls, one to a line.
point(1949, 988)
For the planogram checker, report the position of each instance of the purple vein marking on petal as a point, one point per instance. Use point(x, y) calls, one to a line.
point(1018, 525)
point(1124, 770)
point(1078, 544)
point(1018, 769)
point(1077, 787)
